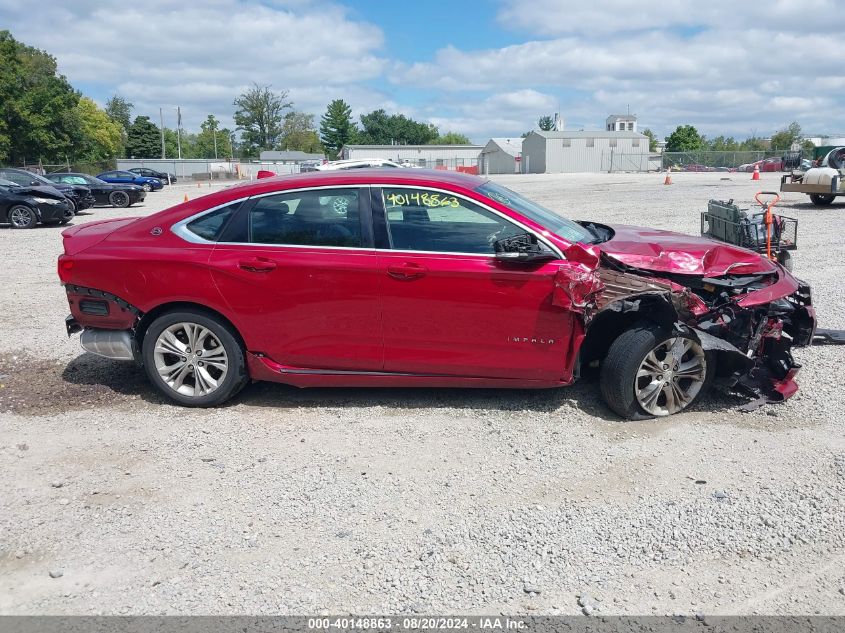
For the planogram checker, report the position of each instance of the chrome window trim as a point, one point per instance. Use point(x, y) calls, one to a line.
point(180, 228)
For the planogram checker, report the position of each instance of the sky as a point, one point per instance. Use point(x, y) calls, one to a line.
point(485, 68)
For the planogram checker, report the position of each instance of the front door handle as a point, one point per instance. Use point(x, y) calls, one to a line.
point(406, 270)
point(257, 265)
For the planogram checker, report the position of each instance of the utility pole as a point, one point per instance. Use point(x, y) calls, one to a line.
point(214, 134)
point(161, 117)
point(179, 131)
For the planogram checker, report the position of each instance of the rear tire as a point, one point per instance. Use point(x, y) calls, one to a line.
point(822, 199)
point(119, 199)
point(652, 371)
point(22, 217)
point(206, 376)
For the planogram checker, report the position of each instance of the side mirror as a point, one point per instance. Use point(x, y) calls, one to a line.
point(521, 249)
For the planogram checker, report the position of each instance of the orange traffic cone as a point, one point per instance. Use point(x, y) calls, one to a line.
point(756, 175)
point(186, 198)
point(668, 179)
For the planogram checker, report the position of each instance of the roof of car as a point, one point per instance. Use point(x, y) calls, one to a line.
point(374, 175)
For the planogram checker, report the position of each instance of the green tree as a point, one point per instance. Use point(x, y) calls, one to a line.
point(652, 140)
point(120, 109)
point(298, 133)
point(782, 140)
point(753, 144)
point(379, 128)
point(685, 138)
point(722, 144)
point(210, 131)
point(38, 116)
point(259, 116)
point(143, 139)
point(337, 128)
point(101, 137)
point(546, 123)
point(451, 138)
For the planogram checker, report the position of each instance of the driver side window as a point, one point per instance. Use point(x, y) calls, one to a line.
point(424, 220)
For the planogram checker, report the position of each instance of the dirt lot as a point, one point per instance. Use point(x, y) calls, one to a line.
point(425, 501)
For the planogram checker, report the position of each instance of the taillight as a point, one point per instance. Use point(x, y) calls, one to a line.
point(65, 268)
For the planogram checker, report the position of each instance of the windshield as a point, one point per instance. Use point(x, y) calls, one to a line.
point(560, 226)
point(41, 179)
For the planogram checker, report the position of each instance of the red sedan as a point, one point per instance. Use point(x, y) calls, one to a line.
point(428, 279)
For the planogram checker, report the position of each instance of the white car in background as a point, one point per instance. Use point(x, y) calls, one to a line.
point(362, 163)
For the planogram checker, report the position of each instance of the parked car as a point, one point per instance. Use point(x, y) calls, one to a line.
point(767, 164)
point(412, 277)
point(80, 197)
point(362, 163)
point(25, 206)
point(152, 173)
point(105, 193)
point(129, 178)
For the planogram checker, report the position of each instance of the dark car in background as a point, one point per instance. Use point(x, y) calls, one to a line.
point(152, 173)
point(25, 206)
point(129, 178)
point(105, 193)
point(79, 196)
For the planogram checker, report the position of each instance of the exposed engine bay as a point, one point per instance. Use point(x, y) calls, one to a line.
point(749, 321)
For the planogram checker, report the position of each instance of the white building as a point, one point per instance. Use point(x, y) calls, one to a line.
point(501, 156)
point(431, 156)
point(621, 123)
point(596, 151)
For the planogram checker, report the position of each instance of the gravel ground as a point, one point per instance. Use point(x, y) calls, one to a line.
point(427, 501)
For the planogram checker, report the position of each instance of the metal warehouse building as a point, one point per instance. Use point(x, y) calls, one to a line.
point(501, 156)
point(593, 151)
point(431, 156)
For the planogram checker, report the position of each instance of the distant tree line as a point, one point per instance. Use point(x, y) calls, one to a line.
point(686, 138)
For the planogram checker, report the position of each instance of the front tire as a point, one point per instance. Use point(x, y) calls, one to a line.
point(119, 199)
point(22, 217)
point(194, 358)
point(652, 371)
point(147, 187)
point(822, 199)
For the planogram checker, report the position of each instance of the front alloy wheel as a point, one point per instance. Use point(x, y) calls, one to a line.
point(22, 217)
point(194, 358)
point(147, 187)
point(650, 371)
point(670, 376)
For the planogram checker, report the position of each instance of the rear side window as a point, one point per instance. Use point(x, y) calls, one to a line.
point(321, 217)
point(210, 226)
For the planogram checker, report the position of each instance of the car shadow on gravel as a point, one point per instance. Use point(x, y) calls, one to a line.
point(30, 386)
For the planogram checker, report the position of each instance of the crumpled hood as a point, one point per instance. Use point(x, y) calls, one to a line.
point(668, 252)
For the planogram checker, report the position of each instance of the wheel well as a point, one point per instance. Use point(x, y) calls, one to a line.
point(617, 317)
point(152, 315)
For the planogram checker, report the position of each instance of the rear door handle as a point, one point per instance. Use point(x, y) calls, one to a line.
point(406, 270)
point(257, 265)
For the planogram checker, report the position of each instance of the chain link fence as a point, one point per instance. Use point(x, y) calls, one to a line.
point(718, 161)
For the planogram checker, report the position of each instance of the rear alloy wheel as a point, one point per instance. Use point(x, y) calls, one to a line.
point(22, 217)
point(119, 199)
point(147, 187)
point(822, 199)
point(194, 359)
point(652, 372)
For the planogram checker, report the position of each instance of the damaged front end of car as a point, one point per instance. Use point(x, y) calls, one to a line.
point(748, 321)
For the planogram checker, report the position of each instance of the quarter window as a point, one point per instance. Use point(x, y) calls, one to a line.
point(210, 226)
point(323, 217)
point(433, 221)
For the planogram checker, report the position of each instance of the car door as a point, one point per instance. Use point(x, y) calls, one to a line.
point(299, 270)
point(452, 308)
